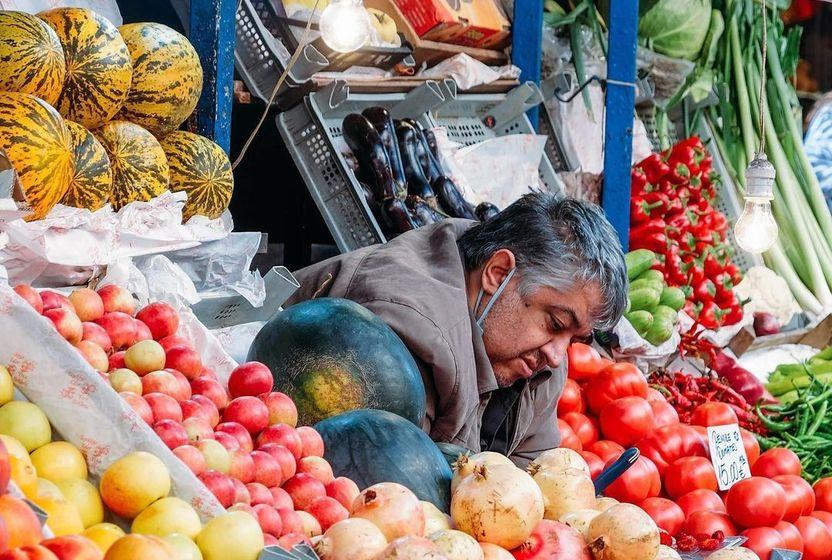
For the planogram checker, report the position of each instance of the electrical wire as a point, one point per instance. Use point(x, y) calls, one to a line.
point(764, 74)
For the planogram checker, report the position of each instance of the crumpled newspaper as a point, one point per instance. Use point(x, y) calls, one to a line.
point(469, 72)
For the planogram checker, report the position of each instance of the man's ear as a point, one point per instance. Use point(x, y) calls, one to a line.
point(496, 269)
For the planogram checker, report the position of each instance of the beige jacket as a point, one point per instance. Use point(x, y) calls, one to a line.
point(416, 284)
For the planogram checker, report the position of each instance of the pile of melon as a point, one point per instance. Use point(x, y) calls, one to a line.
point(89, 114)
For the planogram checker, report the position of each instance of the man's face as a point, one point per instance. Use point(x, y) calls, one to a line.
point(525, 335)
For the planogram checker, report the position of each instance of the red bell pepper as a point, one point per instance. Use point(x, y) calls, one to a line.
point(638, 181)
point(704, 291)
point(711, 315)
point(679, 174)
point(716, 221)
point(696, 274)
point(654, 167)
point(734, 315)
point(713, 267)
point(655, 241)
point(692, 309)
point(734, 272)
point(673, 267)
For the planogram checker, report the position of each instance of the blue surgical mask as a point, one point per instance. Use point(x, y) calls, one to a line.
point(492, 301)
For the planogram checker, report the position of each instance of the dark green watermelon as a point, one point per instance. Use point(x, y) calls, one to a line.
point(372, 446)
point(332, 355)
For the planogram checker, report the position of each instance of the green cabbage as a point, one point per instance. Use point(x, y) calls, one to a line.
point(675, 28)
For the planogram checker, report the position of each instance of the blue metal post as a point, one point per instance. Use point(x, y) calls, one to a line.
point(212, 33)
point(526, 43)
point(620, 106)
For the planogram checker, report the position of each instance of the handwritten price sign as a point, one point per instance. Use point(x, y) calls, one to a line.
point(728, 455)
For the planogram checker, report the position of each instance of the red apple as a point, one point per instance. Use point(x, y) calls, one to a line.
point(145, 356)
point(269, 519)
point(73, 547)
point(344, 490)
point(248, 411)
point(304, 489)
point(164, 407)
point(87, 303)
point(192, 457)
point(242, 506)
point(270, 540)
point(328, 512)
point(116, 360)
point(242, 466)
point(212, 389)
point(220, 486)
point(139, 406)
point(31, 295)
point(249, 380)
point(210, 409)
point(281, 498)
point(94, 355)
point(282, 409)
point(241, 495)
point(227, 440)
point(67, 323)
point(184, 384)
point(281, 434)
point(317, 467)
point(116, 298)
point(239, 433)
point(198, 429)
point(287, 461)
point(172, 341)
point(142, 332)
point(208, 372)
point(192, 409)
point(185, 360)
point(97, 334)
point(267, 470)
point(259, 494)
point(292, 523)
point(121, 327)
point(313, 444)
point(30, 552)
point(161, 318)
point(54, 300)
point(172, 433)
point(164, 382)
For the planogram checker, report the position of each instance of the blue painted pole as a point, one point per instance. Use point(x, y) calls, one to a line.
point(211, 24)
point(526, 44)
point(619, 109)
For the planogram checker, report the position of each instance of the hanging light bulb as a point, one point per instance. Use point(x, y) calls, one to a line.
point(345, 25)
point(756, 230)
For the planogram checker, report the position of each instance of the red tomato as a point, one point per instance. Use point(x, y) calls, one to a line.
point(800, 499)
point(817, 540)
point(823, 494)
point(654, 395)
point(606, 449)
point(761, 540)
point(571, 399)
point(776, 461)
point(639, 482)
point(568, 439)
point(583, 426)
point(667, 444)
point(627, 420)
point(700, 500)
point(756, 502)
point(667, 515)
point(584, 361)
point(621, 379)
point(708, 522)
point(688, 474)
point(751, 445)
point(663, 414)
point(713, 414)
point(824, 516)
point(595, 463)
point(791, 536)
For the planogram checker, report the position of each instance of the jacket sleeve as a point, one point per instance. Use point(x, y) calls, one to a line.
point(544, 434)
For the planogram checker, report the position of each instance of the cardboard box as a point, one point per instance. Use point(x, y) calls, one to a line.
point(472, 23)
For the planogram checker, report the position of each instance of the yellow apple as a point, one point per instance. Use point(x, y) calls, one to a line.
point(140, 547)
point(125, 380)
point(63, 518)
point(216, 456)
point(134, 482)
point(25, 422)
point(233, 536)
point(103, 535)
point(166, 516)
point(48, 489)
point(6, 386)
point(84, 496)
point(23, 471)
point(59, 460)
point(186, 549)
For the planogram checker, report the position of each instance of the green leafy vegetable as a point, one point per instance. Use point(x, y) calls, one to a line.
point(675, 28)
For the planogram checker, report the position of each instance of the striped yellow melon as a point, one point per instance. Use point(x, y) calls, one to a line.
point(37, 142)
point(167, 77)
point(92, 181)
point(98, 66)
point(200, 168)
point(140, 168)
point(31, 58)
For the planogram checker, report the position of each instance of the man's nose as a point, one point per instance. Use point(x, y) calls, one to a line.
point(554, 351)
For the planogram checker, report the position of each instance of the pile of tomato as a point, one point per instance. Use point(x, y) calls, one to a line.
point(607, 407)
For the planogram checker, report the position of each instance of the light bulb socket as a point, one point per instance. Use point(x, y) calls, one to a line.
point(759, 178)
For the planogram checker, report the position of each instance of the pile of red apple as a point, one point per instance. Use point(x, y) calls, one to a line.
point(243, 443)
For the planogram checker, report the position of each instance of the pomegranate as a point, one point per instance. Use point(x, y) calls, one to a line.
point(395, 509)
point(411, 548)
point(351, 539)
point(457, 545)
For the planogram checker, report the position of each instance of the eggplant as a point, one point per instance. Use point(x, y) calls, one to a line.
point(395, 214)
point(485, 211)
point(382, 121)
point(422, 213)
point(417, 183)
point(367, 193)
point(451, 200)
point(432, 144)
point(366, 146)
point(430, 163)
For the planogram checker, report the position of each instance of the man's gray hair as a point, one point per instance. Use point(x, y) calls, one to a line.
point(558, 242)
